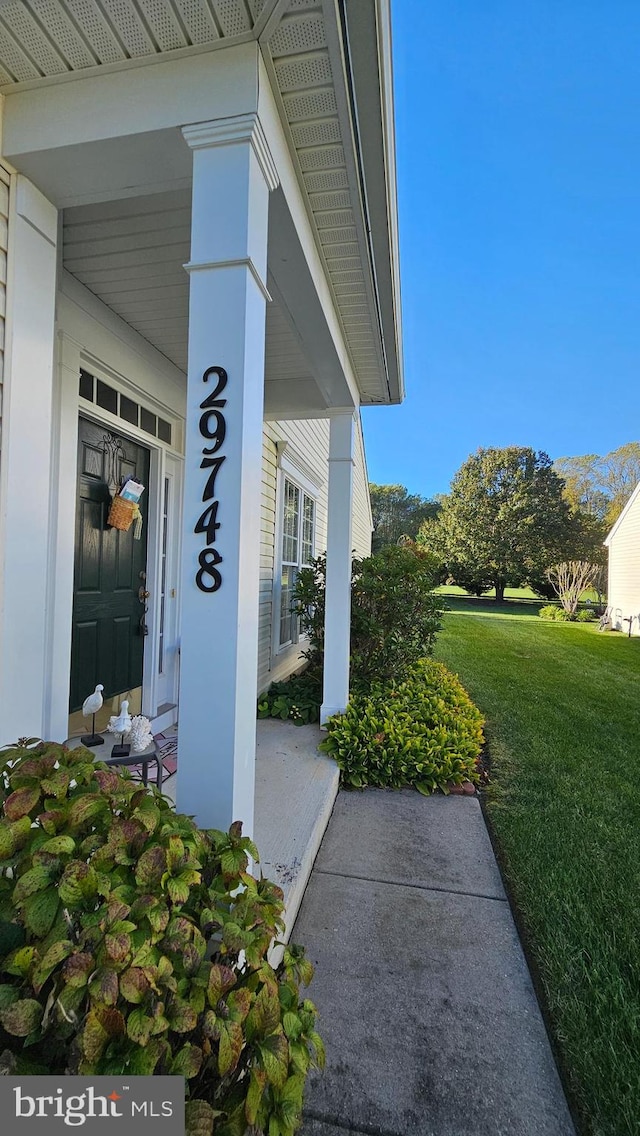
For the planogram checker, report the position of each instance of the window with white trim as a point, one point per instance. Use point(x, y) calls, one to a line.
point(296, 552)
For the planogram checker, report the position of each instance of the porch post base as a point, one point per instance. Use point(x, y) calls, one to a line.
point(327, 712)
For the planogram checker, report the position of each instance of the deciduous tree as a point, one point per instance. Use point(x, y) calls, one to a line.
point(397, 513)
point(505, 518)
point(601, 486)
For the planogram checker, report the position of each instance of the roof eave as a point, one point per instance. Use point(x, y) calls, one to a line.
point(367, 37)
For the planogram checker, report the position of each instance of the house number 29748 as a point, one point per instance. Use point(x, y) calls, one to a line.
point(213, 428)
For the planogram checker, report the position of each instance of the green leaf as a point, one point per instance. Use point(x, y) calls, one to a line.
point(56, 954)
point(182, 1017)
point(318, 1045)
point(143, 1061)
point(139, 1026)
point(151, 867)
point(40, 910)
point(186, 1062)
point(221, 979)
point(59, 845)
point(6, 840)
point(264, 1017)
point(22, 802)
point(200, 1118)
point(20, 961)
point(22, 1018)
point(274, 1056)
point(101, 1025)
point(34, 880)
point(104, 986)
point(178, 891)
point(117, 947)
point(84, 808)
point(230, 1047)
point(57, 784)
point(77, 969)
point(292, 1025)
point(8, 995)
point(255, 1092)
point(134, 985)
point(79, 883)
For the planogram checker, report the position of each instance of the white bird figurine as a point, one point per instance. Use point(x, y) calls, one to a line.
point(121, 724)
point(93, 703)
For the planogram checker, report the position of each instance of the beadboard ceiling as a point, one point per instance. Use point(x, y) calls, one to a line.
point(130, 253)
point(302, 45)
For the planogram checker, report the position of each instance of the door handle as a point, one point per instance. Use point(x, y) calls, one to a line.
point(142, 594)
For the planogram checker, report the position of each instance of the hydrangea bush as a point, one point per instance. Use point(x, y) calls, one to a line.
point(133, 942)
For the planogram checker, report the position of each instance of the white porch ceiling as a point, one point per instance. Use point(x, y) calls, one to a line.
point(130, 253)
point(302, 45)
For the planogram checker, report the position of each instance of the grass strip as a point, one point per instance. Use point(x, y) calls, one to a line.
point(562, 704)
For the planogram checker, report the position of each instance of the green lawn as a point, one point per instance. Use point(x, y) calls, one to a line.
point(562, 704)
point(510, 593)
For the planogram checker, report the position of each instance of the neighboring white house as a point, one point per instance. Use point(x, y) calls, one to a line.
point(198, 240)
point(623, 542)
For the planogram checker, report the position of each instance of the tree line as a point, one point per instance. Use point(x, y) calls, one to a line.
point(511, 514)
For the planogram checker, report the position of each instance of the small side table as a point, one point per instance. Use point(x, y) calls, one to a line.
point(103, 753)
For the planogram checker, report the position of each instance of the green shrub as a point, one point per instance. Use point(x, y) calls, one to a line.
point(298, 698)
point(424, 731)
point(549, 611)
point(394, 614)
point(585, 615)
point(558, 614)
point(131, 942)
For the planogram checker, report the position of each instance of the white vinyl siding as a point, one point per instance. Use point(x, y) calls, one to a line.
point(624, 570)
point(310, 439)
point(361, 523)
point(4, 240)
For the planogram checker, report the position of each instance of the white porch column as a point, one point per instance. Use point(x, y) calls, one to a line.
point(337, 624)
point(25, 462)
point(232, 174)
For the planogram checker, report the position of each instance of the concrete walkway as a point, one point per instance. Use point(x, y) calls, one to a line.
point(428, 1013)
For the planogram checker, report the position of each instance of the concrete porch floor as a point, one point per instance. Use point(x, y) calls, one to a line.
point(295, 791)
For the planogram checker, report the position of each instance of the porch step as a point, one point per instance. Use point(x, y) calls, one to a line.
point(295, 791)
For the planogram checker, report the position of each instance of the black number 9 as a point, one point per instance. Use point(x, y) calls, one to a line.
point(217, 433)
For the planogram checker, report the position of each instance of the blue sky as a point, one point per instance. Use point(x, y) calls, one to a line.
point(518, 148)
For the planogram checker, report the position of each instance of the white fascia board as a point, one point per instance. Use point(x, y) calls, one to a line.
point(298, 208)
point(389, 132)
point(168, 93)
point(629, 505)
point(370, 71)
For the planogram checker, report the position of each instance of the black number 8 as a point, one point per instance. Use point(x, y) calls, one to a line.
point(207, 560)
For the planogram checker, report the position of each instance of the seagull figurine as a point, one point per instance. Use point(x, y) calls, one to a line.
point(91, 705)
point(121, 723)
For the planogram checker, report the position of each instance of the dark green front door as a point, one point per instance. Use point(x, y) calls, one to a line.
point(110, 567)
